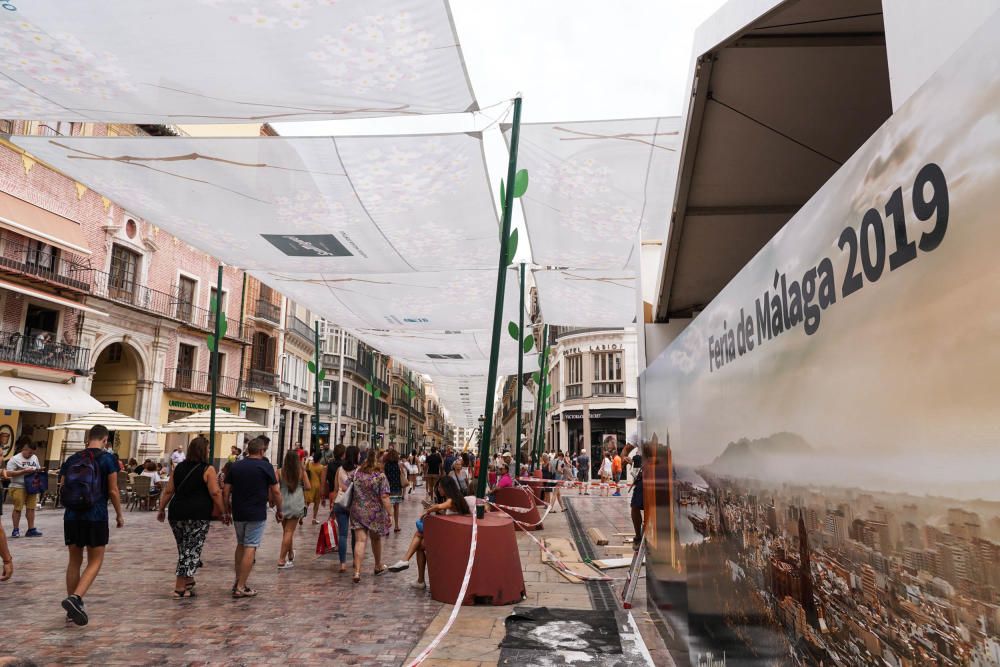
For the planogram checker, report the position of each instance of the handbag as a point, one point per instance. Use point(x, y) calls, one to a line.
point(36, 483)
point(345, 497)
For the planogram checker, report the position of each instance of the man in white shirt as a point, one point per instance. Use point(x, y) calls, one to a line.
point(176, 458)
point(19, 465)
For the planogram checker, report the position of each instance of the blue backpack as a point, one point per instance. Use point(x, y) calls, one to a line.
point(82, 486)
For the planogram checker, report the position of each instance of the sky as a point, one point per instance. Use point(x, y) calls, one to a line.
point(570, 60)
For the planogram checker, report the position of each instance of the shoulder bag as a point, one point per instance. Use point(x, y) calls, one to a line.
point(345, 497)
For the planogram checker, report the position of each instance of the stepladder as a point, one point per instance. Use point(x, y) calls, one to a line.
point(632, 579)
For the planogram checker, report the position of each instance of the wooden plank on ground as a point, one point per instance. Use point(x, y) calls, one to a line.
point(611, 563)
point(567, 576)
point(624, 549)
point(563, 549)
point(597, 537)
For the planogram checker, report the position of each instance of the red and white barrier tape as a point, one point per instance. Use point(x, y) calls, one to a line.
point(458, 603)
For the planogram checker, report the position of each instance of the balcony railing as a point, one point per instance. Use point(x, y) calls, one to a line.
point(607, 388)
point(301, 329)
point(300, 394)
point(158, 302)
point(39, 349)
point(200, 382)
point(332, 362)
point(45, 263)
point(574, 391)
point(266, 310)
point(263, 381)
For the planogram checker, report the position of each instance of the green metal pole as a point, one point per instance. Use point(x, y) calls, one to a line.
point(245, 346)
point(315, 438)
point(409, 412)
point(491, 381)
point(215, 367)
point(371, 406)
point(520, 367)
point(543, 376)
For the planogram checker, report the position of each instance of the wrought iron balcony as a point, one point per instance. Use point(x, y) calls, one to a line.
point(116, 288)
point(263, 381)
point(301, 329)
point(42, 263)
point(200, 382)
point(266, 310)
point(39, 348)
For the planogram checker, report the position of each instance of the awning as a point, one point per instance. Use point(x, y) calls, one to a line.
point(115, 421)
point(34, 222)
point(40, 396)
point(52, 298)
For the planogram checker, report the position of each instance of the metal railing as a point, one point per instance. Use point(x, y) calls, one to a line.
point(574, 391)
point(44, 262)
point(615, 388)
point(300, 329)
point(158, 302)
point(266, 310)
point(300, 394)
point(332, 362)
point(263, 380)
point(38, 348)
point(200, 382)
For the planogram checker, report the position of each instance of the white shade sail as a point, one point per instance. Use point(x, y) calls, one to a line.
point(594, 186)
point(224, 61)
point(225, 422)
point(316, 204)
point(578, 297)
point(114, 421)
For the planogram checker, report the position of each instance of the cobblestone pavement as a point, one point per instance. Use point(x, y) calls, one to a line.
point(306, 615)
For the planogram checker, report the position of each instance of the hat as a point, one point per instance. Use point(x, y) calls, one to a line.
point(507, 455)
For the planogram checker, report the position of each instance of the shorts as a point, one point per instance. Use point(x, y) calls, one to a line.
point(637, 500)
point(82, 533)
point(420, 526)
point(396, 500)
point(21, 498)
point(249, 533)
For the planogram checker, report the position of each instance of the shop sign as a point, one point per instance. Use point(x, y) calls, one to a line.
point(201, 407)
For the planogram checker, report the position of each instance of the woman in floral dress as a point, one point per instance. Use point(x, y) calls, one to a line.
point(370, 513)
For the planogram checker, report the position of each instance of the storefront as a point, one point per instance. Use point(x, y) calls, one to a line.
point(177, 406)
point(595, 427)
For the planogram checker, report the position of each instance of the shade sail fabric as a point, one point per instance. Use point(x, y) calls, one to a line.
point(115, 421)
point(569, 297)
point(224, 423)
point(224, 61)
point(302, 204)
point(595, 186)
point(40, 396)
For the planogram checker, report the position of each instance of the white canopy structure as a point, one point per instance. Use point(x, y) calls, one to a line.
point(225, 422)
point(225, 61)
point(113, 420)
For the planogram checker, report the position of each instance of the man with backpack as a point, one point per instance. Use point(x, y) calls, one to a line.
point(89, 479)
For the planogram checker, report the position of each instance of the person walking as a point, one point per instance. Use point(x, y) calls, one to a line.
point(89, 479)
point(316, 472)
point(294, 483)
point(18, 466)
point(347, 462)
point(616, 470)
point(605, 471)
point(433, 465)
point(176, 458)
point(369, 512)
point(191, 494)
point(411, 472)
point(394, 473)
point(249, 486)
point(583, 470)
point(461, 475)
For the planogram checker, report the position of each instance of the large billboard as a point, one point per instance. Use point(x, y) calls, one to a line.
point(831, 489)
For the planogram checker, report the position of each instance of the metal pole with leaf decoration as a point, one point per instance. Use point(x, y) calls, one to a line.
point(374, 392)
point(213, 346)
point(524, 345)
point(409, 392)
point(318, 375)
point(542, 402)
point(518, 181)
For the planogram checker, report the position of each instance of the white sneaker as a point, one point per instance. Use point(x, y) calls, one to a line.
point(419, 585)
point(399, 566)
point(287, 566)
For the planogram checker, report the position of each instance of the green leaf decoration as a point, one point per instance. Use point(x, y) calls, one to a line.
point(368, 387)
point(211, 341)
point(503, 194)
point(521, 183)
point(547, 390)
point(536, 377)
point(311, 366)
point(223, 325)
point(212, 304)
point(513, 330)
point(378, 392)
point(529, 343)
point(322, 375)
point(511, 246)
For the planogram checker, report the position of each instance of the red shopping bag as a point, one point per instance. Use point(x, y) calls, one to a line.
point(327, 540)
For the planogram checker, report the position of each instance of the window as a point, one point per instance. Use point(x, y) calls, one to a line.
point(222, 364)
point(124, 273)
point(185, 297)
point(114, 353)
point(41, 256)
point(608, 373)
point(574, 376)
point(185, 365)
point(7, 126)
point(263, 353)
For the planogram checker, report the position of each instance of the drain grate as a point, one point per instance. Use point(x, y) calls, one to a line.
point(602, 593)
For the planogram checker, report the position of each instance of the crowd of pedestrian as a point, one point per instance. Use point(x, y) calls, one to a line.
point(364, 490)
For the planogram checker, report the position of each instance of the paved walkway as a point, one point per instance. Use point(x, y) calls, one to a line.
point(306, 615)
